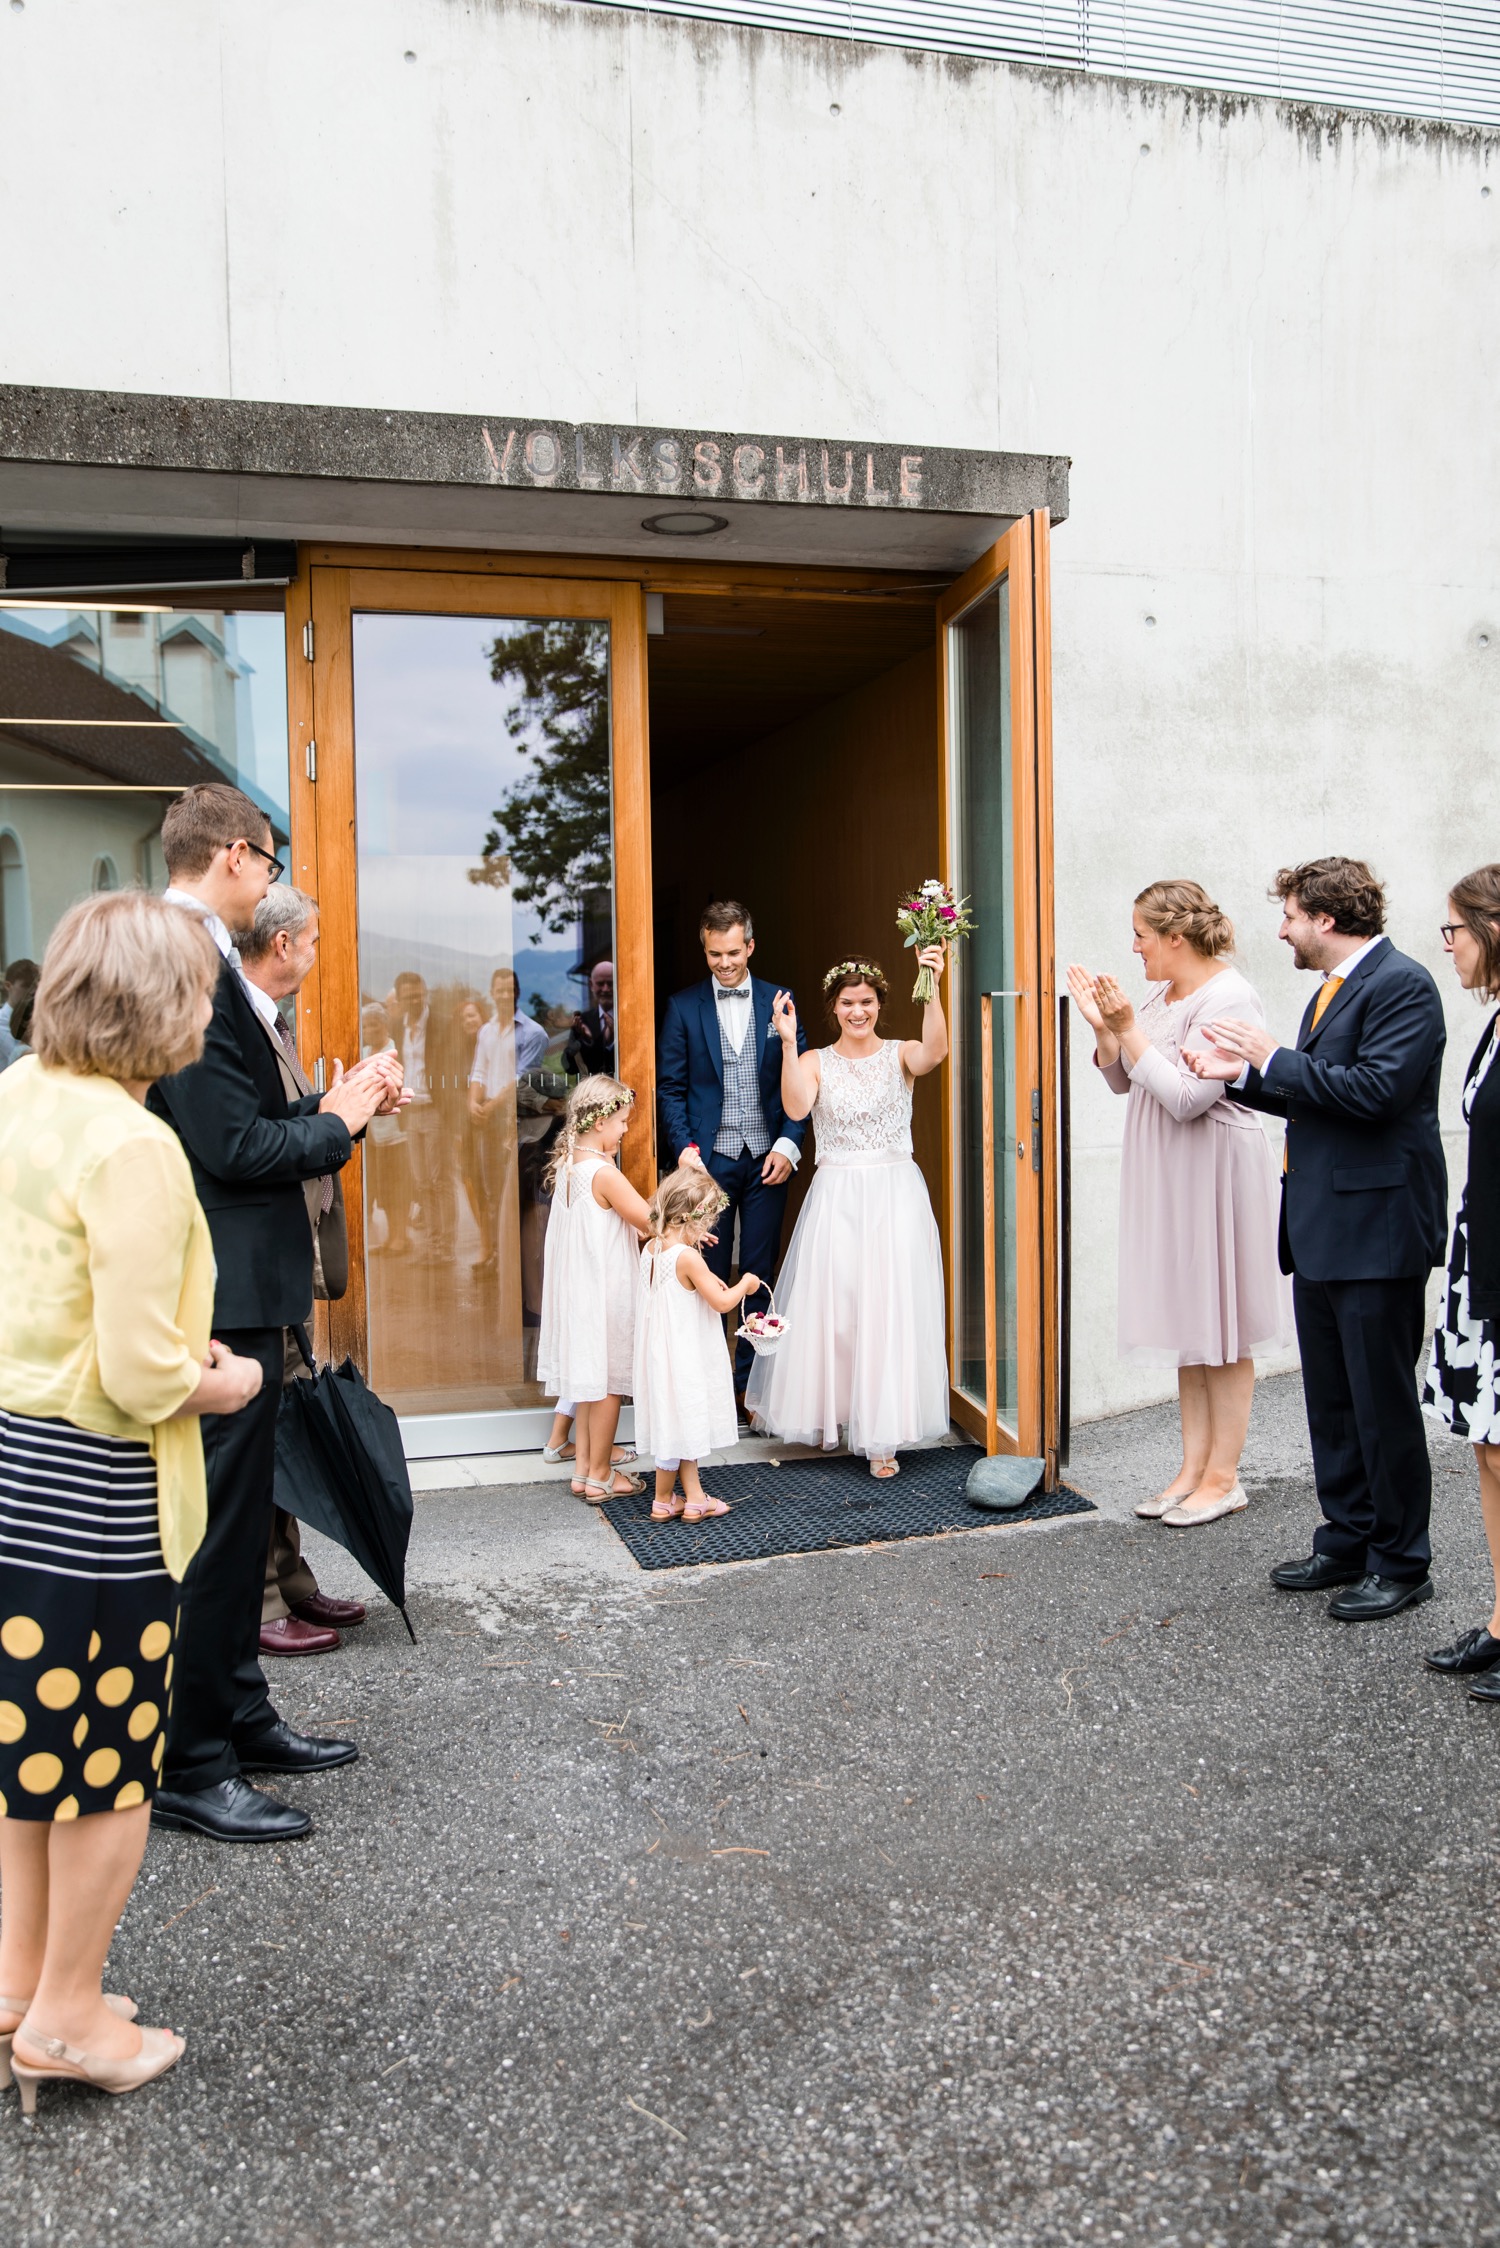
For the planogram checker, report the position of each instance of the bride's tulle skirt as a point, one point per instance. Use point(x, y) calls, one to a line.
point(862, 1290)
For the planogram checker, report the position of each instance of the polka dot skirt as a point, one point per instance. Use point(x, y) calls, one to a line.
point(87, 1620)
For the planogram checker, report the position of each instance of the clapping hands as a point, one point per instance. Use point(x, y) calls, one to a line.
point(1101, 1001)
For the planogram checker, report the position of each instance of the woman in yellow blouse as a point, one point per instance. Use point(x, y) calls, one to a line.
point(105, 1363)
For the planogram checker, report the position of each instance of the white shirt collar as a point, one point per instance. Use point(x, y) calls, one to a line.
point(264, 1005)
point(211, 921)
point(1346, 968)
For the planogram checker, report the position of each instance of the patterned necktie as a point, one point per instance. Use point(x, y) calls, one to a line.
point(1324, 1001)
point(288, 1039)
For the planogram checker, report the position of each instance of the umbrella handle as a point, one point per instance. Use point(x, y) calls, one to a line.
point(308, 1360)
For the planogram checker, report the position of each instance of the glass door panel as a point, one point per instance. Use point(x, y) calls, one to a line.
point(486, 948)
point(982, 809)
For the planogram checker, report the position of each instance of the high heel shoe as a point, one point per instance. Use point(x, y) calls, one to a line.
point(161, 2049)
point(126, 2008)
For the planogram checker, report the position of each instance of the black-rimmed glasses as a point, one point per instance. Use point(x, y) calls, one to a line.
point(1448, 930)
point(277, 866)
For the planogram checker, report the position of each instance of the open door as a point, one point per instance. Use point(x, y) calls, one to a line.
point(995, 744)
point(435, 712)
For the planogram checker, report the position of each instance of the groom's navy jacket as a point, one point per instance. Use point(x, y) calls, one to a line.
point(690, 1068)
point(1365, 1195)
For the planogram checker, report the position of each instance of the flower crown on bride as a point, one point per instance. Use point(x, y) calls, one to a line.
point(865, 968)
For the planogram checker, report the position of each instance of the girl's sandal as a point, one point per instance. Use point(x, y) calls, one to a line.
point(883, 1470)
point(619, 1486)
point(704, 1509)
point(667, 1510)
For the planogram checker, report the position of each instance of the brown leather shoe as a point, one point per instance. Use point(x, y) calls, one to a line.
point(289, 1635)
point(322, 1608)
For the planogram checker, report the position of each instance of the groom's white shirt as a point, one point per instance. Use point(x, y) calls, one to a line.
point(735, 1017)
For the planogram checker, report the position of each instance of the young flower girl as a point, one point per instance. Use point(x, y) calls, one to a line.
point(684, 1389)
point(585, 1351)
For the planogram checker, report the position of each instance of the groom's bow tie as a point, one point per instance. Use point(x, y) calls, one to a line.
point(734, 991)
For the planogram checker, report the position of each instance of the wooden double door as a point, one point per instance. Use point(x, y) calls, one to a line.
point(471, 805)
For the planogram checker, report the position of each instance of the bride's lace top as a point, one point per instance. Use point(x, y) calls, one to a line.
point(863, 1107)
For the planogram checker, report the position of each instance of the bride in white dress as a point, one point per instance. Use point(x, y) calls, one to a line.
point(862, 1284)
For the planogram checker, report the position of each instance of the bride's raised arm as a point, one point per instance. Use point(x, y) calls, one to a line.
point(920, 1056)
point(800, 1073)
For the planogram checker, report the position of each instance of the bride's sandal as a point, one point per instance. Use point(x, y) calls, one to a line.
point(161, 2049)
point(883, 1470)
point(126, 2008)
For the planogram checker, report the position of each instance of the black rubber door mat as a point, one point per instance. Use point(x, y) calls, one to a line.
point(810, 1506)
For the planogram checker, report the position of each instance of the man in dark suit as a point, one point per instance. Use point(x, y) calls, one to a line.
point(591, 1042)
point(277, 955)
point(1364, 1211)
point(718, 1077)
point(250, 1151)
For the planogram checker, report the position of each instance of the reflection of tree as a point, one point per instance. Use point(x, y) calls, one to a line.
point(553, 826)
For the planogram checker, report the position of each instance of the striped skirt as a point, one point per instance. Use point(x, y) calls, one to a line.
point(87, 1619)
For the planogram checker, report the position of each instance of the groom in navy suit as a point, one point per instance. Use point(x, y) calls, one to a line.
point(718, 1075)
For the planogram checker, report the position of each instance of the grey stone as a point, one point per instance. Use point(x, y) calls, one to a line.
point(1004, 1483)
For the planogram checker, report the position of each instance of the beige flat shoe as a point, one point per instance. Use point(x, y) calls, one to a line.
point(1152, 1510)
point(161, 2049)
point(1184, 1518)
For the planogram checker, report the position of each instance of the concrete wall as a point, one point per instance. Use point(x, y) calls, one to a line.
point(1267, 338)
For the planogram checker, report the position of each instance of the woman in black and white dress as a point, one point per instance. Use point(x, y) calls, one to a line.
point(1463, 1380)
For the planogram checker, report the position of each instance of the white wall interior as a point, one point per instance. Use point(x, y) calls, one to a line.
point(1266, 335)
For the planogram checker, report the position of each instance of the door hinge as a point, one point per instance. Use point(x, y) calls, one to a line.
point(312, 761)
point(320, 1076)
point(307, 640)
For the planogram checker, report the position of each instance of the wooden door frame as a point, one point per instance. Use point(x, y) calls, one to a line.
point(321, 604)
point(1022, 555)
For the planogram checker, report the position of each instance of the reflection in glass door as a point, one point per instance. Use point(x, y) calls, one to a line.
point(981, 800)
point(487, 960)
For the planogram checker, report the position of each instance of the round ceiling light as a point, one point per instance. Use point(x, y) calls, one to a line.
point(685, 523)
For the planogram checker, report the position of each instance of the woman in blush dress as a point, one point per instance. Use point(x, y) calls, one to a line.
point(1200, 1284)
point(862, 1284)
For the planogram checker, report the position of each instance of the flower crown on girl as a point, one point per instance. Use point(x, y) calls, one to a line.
point(590, 1102)
point(686, 1197)
point(593, 1112)
point(864, 968)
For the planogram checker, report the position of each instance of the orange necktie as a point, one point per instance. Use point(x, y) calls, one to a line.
point(1324, 1001)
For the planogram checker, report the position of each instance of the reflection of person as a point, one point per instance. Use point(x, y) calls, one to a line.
point(585, 1351)
point(419, 1041)
point(106, 1363)
point(1199, 1284)
point(591, 1043)
point(1364, 1206)
point(19, 981)
point(278, 954)
point(719, 1075)
point(511, 1042)
point(862, 1286)
point(508, 1044)
point(1463, 1378)
point(387, 1173)
point(251, 1150)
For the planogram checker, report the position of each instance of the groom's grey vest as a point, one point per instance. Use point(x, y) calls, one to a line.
point(743, 1123)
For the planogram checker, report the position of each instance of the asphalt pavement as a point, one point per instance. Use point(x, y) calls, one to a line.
point(1037, 1885)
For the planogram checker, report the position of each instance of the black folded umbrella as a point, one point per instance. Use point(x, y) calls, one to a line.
point(341, 1469)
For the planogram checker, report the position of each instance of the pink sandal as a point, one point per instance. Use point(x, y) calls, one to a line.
point(704, 1509)
point(668, 1509)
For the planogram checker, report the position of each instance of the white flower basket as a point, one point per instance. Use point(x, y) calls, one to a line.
point(765, 1331)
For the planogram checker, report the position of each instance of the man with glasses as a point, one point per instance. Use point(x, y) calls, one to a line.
point(251, 1150)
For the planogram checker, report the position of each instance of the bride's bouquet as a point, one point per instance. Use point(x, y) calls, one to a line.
point(932, 915)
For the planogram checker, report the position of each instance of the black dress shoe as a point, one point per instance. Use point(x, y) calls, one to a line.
point(1376, 1597)
point(230, 1811)
point(1486, 1689)
point(282, 1750)
point(1471, 1650)
point(1316, 1574)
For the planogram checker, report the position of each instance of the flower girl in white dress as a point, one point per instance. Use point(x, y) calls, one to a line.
point(684, 1386)
point(586, 1349)
point(861, 1286)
